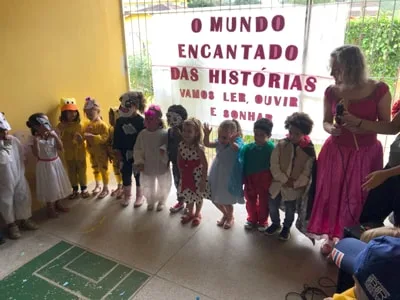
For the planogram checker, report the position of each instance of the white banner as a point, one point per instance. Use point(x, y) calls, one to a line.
point(243, 64)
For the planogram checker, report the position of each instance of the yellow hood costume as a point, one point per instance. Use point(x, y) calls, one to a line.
point(71, 134)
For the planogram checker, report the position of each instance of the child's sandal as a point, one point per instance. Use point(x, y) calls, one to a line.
point(59, 207)
point(196, 221)
point(85, 194)
point(103, 194)
point(74, 195)
point(221, 222)
point(229, 223)
point(96, 190)
point(187, 218)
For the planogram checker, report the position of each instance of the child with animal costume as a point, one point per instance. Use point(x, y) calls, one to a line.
point(151, 159)
point(127, 128)
point(15, 196)
point(52, 182)
point(113, 115)
point(176, 116)
point(71, 133)
point(96, 134)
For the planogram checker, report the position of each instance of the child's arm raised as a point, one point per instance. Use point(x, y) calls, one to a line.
point(207, 131)
point(59, 144)
point(204, 163)
point(276, 166)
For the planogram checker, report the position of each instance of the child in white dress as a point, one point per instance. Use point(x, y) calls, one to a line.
point(151, 159)
point(15, 196)
point(52, 182)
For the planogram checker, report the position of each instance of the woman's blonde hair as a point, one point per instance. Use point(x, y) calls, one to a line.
point(352, 61)
point(231, 125)
point(381, 231)
point(198, 140)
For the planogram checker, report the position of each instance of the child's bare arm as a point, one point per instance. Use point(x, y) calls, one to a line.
point(207, 131)
point(59, 144)
point(204, 163)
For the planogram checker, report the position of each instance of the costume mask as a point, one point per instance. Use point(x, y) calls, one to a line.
point(3, 122)
point(126, 108)
point(174, 119)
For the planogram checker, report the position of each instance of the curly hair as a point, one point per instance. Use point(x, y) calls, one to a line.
point(198, 129)
point(264, 125)
point(231, 125)
point(301, 121)
point(138, 100)
point(352, 60)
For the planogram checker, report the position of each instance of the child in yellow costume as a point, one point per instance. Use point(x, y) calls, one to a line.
point(96, 134)
point(71, 134)
point(113, 116)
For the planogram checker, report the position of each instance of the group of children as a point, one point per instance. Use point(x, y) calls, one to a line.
point(137, 143)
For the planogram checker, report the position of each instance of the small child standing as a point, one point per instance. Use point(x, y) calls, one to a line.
point(151, 159)
point(193, 166)
point(112, 120)
point(257, 175)
point(291, 167)
point(96, 135)
point(127, 129)
point(71, 134)
point(52, 182)
point(15, 196)
point(176, 115)
point(225, 178)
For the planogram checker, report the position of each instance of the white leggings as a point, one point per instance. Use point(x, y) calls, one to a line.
point(156, 188)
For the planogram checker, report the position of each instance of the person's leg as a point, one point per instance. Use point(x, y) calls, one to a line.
point(230, 218)
point(197, 215)
point(126, 172)
point(290, 209)
point(177, 176)
point(103, 162)
point(148, 184)
point(22, 205)
point(72, 171)
point(189, 216)
point(82, 178)
point(274, 204)
point(263, 210)
point(380, 202)
point(96, 174)
point(164, 182)
point(222, 209)
point(7, 210)
point(251, 207)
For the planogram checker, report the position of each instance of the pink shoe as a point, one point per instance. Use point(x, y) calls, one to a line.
point(127, 196)
point(177, 207)
point(139, 198)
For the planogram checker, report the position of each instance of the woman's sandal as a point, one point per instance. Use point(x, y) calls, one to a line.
point(187, 218)
point(221, 222)
point(229, 223)
point(103, 194)
point(96, 190)
point(196, 221)
point(74, 195)
point(85, 194)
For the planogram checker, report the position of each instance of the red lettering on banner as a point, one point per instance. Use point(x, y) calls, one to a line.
point(234, 97)
point(217, 24)
point(277, 101)
point(310, 84)
point(184, 74)
point(212, 112)
point(197, 94)
point(196, 25)
point(245, 115)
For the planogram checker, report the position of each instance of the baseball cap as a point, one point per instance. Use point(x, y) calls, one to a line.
point(376, 265)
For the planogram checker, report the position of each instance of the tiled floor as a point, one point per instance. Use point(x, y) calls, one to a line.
point(183, 262)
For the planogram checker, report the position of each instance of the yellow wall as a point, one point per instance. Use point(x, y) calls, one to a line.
point(55, 48)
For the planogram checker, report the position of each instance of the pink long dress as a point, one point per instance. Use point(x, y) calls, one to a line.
point(341, 170)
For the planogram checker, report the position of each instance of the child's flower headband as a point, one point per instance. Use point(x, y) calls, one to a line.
point(153, 111)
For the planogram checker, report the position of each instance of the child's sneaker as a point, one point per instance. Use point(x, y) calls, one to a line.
point(13, 232)
point(273, 229)
point(150, 207)
point(285, 234)
point(249, 226)
point(262, 228)
point(160, 206)
point(177, 207)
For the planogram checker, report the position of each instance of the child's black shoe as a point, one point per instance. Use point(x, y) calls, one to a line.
point(285, 234)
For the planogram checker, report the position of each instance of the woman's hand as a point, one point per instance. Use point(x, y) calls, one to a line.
point(335, 130)
point(207, 129)
point(349, 120)
point(374, 179)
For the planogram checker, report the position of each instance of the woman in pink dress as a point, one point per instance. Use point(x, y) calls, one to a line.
point(347, 157)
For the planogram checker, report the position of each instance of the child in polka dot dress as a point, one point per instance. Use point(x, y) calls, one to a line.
point(193, 167)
